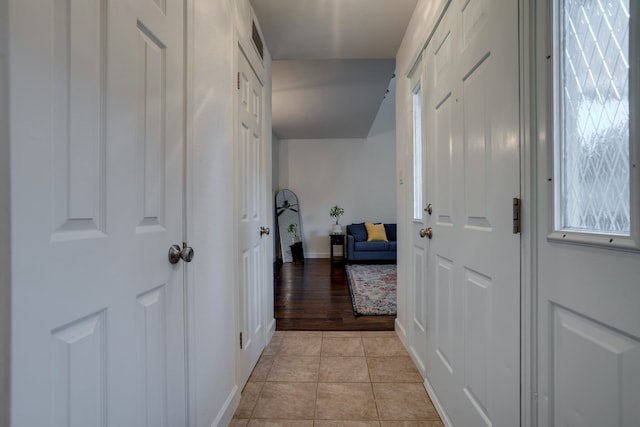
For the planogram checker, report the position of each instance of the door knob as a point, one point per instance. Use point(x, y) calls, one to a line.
point(426, 232)
point(264, 230)
point(186, 253)
point(176, 254)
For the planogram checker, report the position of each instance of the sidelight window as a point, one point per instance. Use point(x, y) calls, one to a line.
point(417, 153)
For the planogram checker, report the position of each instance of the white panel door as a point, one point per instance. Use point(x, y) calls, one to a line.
point(249, 151)
point(588, 302)
point(97, 152)
point(472, 147)
point(442, 113)
point(417, 292)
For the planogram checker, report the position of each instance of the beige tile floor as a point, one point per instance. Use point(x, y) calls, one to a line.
point(335, 379)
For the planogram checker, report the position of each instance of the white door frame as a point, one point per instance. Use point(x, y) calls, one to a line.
point(5, 221)
point(528, 191)
point(188, 218)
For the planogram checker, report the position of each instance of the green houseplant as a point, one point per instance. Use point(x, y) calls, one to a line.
point(293, 229)
point(336, 212)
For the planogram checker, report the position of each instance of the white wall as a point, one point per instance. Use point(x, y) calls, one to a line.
point(212, 351)
point(420, 27)
point(275, 185)
point(267, 304)
point(356, 174)
point(212, 291)
point(5, 224)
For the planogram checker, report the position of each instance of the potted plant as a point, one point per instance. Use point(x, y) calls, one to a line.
point(336, 212)
point(293, 229)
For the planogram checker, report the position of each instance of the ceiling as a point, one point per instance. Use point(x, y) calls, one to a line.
point(332, 62)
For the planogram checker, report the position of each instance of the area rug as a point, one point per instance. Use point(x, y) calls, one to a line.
point(373, 289)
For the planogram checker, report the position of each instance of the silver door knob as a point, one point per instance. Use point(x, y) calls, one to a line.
point(264, 230)
point(176, 253)
point(187, 253)
point(426, 232)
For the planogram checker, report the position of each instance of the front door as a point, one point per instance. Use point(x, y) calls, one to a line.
point(252, 227)
point(97, 183)
point(588, 302)
point(472, 149)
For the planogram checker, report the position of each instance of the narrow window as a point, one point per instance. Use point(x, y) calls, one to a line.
point(417, 153)
point(592, 119)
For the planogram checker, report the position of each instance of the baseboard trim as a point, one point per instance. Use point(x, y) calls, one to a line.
point(271, 329)
point(416, 360)
point(436, 403)
point(228, 409)
point(317, 255)
point(402, 333)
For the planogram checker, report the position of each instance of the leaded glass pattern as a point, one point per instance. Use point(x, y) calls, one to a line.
point(594, 122)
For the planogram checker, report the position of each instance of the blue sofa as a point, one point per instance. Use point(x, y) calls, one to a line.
point(358, 249)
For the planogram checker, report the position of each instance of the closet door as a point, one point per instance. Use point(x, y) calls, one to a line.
point(252, 226)
point(97, 155)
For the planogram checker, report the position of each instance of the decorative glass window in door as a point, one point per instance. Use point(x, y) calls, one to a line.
point(592, 120)
point(417, 153)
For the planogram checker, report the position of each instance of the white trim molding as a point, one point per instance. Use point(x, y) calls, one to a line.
point(528, 191)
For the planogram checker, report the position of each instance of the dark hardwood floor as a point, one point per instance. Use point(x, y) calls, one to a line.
point(310, 296)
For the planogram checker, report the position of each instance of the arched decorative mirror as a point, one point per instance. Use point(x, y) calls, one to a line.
point(289, 231)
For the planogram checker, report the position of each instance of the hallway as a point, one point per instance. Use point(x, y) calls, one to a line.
point(331, 379)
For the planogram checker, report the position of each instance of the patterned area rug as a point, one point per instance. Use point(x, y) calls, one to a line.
point(373, 289)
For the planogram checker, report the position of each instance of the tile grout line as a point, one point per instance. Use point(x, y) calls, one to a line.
point(315, 402)
point(373, 393)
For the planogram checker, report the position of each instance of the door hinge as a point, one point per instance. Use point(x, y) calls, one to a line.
point(517, 215)
point(240, 340)
point(238, 80)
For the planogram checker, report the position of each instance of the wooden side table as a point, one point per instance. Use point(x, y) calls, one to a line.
point(337, 239)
